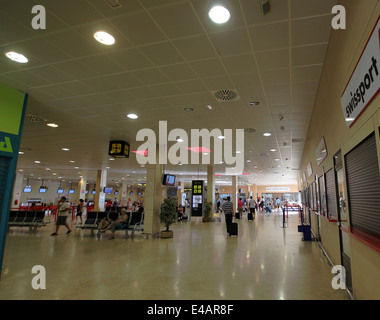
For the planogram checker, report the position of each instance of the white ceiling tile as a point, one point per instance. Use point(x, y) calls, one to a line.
point(276, 59)
point(303, 30)
point(270, 36)
point(302, 8)
point(195, 48)
point(139, 28)
point(231, 42)
point(177, 21)
point(308, 55)
point(162, 53)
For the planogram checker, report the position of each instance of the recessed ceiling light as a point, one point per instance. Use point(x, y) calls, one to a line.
point(52, 125)
point(219, 14)
point(249, 161)
point(273, 150)
point(72, 161)
point(21, 152)
point(37, 161)
point(104, 38)
point(221, 137)
point(276, 159)
point(132, 116)
point(254, 103)
point(267, 134)
point(210, 107)
point(17, 57)
point(65, 149)
point(179, 140)
point(188, 109)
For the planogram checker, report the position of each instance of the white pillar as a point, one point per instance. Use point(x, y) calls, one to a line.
point(101, 182)
point(234, 191)
point(211, 187)
point(17, 189)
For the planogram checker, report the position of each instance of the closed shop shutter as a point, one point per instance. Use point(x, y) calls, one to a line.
point(331, 195)
point(363, 184)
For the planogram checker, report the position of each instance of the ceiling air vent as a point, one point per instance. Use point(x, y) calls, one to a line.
point(33, 118)
point(295, 140)
point(114, 4)
point(250, 130)
point(226, 95)
point(264, 7)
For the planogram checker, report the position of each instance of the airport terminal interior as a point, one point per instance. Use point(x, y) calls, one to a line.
point(168, 109)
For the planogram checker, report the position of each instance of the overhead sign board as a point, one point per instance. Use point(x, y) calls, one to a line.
point(364, 84)
point(119, 149)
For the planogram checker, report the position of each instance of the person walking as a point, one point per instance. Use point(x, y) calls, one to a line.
point(80, 211)
point(63, 213)
point(227, 208)
point(252, 206)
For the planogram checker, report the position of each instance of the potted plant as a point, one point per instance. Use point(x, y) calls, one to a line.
point(168, 216)
point(207, 212)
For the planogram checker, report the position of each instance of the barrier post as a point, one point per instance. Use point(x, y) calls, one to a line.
point(283, 217)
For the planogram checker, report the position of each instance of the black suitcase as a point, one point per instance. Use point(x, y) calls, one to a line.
point(237, 215)
point(250, 216)
point(233, 229)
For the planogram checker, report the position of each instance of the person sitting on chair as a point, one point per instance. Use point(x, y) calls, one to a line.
point(121, 223)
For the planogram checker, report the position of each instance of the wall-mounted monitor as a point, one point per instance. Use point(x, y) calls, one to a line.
point(43, 189)
point(108, 190)
point(28, 189)
point(168, 180)
point(60, 190)
point(116, 192)
point(71, 190)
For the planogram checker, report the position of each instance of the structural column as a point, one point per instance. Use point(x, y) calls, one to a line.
point(124, 195)
point(153, 199)
point(81, 190)
point(211, 187)
point(101, 182)
point(17, 189)
point(234, 192)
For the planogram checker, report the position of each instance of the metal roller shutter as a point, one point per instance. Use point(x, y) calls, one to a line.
point(363, 183)
point(331, 195)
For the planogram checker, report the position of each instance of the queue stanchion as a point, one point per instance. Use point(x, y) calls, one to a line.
point(283, 217)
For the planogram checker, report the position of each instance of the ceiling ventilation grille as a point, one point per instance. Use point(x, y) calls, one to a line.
point(114, 4)
point(226, 95)
point(32, 118)
point(250, 130)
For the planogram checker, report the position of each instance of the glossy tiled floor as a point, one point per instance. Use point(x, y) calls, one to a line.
point(200, 262)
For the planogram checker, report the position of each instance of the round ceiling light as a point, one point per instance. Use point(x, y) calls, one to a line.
point(132, 116)
point(219, 14)
point(104, 38)
point(267, 134)
point(18, 57)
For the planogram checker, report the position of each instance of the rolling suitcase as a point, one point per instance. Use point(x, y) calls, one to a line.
point(250, 216)
point(233, 229)
point(237, 215)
